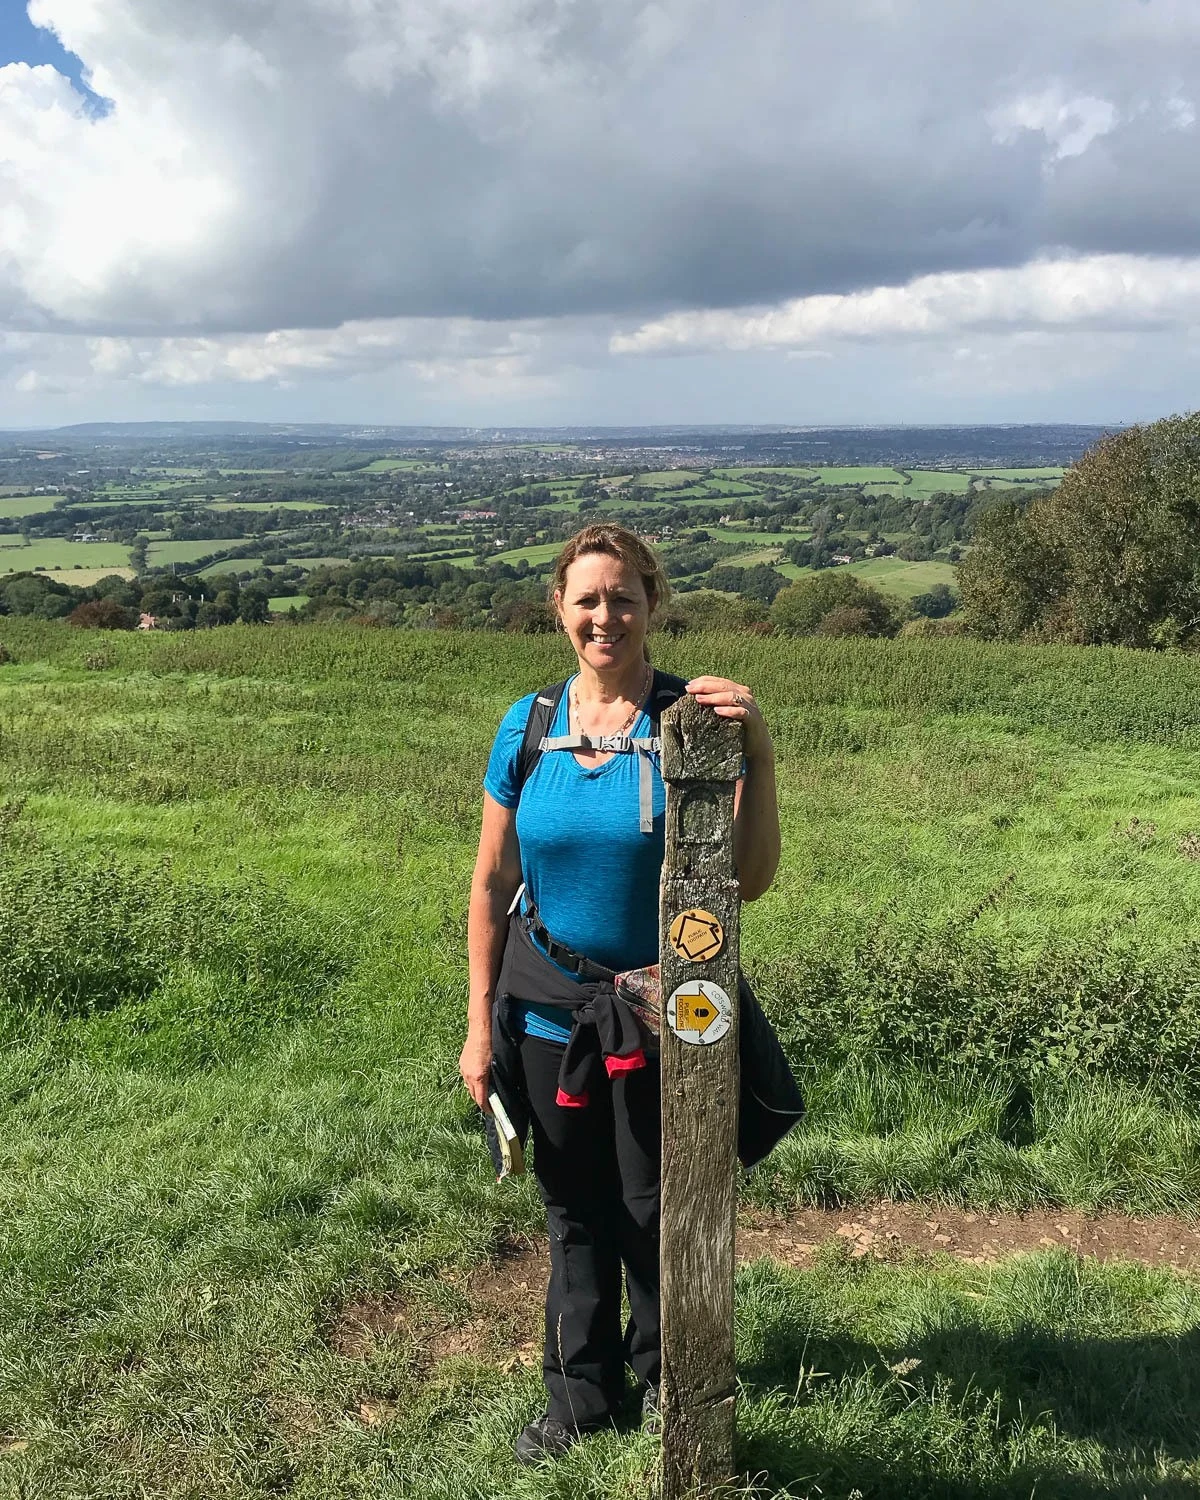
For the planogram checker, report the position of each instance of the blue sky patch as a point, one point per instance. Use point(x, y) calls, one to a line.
point(22, 41)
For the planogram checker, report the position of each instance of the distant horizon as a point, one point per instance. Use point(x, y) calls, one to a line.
point(482, 428)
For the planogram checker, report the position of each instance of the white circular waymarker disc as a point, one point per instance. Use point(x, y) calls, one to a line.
point(699, 1012)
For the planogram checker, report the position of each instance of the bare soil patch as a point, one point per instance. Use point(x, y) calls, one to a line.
point(886, 1228)
point(493, 1312)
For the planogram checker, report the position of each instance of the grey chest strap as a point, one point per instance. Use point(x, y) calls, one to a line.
point(618, 744)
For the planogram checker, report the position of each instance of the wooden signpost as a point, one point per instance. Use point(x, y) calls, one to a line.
point(701, 760)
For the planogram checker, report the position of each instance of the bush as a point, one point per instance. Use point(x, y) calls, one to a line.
point(940, 601)
point(801, 608)
point(102, 614)
point(945, 995)
point(849, 619)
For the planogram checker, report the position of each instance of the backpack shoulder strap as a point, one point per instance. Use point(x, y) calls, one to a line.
point(537, 726)
point(665, 690)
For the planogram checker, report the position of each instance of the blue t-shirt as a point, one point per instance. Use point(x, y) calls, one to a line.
point(588, 867)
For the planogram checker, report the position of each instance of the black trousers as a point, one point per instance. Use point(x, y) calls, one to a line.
point(598, 1170)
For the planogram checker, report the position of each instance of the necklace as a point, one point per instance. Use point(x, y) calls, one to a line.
point(633, 712)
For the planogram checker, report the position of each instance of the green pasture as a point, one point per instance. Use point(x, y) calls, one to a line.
point(1022, 476)
point(57, 553)
point(12, 507)
point(387, 465)
point(786, 471)
point(861, 474)
point(925, 482)
point(162, 554)
point(891, 575)
point(250, 565)
point(540, 552)
point(752, 537)
point(284, 603)
point(234, 867)
point(667, 479)
point(264, 505)
point(752, 555)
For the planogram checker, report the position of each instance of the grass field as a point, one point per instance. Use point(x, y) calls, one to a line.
point(233, 874)
point(1022, 476)
point(387, 465)
point(14, 506)
point(162, 554)
point(285, 603)
point(936, 481)
point(539, 552)
point(261, 505)
point(59, 554)
point(891, 575)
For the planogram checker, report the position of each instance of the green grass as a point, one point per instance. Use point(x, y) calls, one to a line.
point(263, 505)
point(1024, 476)
point(284, 603)
point(936, 481)
point(891, 575)
point(667, 479)
point(763, 538)
point(59, 554)
point(233, 875)
point(860, 474)
point(539, 552)
point(387, 465)
point(162, 554)
point(14, 506)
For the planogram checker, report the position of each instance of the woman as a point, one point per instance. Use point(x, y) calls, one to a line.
point(581, 838)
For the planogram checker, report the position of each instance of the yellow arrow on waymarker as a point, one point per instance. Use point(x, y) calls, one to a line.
point(694, 1012)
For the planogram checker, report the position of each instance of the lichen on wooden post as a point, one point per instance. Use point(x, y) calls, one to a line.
point(698, 926)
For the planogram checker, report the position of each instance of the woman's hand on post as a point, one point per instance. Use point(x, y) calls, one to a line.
point(734, 700)
point(475, 1063)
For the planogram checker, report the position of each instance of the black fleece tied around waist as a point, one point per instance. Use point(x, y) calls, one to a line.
point(606, 1033)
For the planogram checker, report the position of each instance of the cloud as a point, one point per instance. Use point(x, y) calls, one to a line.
point(308, 164)
point(1118, 293)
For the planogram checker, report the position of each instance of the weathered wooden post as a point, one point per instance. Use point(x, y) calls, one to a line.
point(698, 927)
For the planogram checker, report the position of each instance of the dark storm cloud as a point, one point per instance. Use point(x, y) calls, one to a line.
point(303, 162)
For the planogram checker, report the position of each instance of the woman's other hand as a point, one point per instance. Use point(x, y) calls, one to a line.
point(734, 700)
point(475, 1065)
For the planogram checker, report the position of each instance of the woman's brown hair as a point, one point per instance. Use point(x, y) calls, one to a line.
point(616, 541)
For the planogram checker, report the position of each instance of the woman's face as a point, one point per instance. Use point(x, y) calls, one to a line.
point(605, 611)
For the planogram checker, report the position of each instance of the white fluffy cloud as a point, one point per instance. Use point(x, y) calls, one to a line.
point(1104, 292)
point(471, 194)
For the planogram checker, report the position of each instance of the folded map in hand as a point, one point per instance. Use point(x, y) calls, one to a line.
point(508, 1156)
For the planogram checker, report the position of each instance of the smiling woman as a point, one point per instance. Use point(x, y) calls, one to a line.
point(564, 897)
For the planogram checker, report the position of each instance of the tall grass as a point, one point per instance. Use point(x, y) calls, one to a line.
point(233, 872)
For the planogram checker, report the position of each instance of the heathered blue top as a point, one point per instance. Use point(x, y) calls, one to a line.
point(588, 867)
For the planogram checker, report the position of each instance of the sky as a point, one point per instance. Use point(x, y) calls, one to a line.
point(617, 212)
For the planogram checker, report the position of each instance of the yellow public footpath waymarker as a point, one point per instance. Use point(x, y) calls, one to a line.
point(696, 935)
point(699, 1012)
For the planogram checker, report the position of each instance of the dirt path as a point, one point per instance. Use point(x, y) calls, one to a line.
point(493, 1311)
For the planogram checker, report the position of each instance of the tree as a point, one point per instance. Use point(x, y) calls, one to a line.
point(801, 608)
point(937, 603)
point(102, 614)
point(1110, 557)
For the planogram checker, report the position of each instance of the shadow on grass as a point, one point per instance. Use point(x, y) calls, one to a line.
point(961, 1408)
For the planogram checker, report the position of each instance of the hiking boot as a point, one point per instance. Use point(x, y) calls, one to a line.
point(651, 1411)
point(545, 1438)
